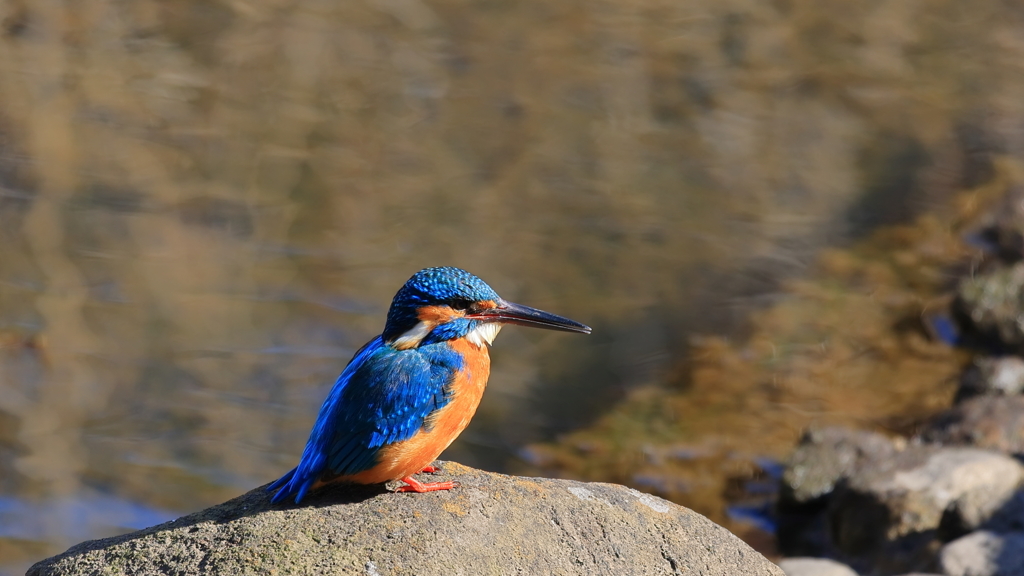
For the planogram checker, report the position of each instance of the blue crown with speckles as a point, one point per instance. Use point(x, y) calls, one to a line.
point(432, 286)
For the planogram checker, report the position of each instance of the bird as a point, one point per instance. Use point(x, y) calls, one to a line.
point(408, 393)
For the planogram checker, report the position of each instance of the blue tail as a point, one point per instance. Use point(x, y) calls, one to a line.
point(281, 485)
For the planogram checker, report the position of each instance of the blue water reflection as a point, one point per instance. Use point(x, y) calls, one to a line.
point(75, 518)
point(49, 524)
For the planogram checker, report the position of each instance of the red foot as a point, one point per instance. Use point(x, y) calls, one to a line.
point(430, 470)
point(415, 485)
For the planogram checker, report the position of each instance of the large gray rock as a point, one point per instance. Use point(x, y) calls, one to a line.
point(491, 524)
point(890, 511)
point(984, 553)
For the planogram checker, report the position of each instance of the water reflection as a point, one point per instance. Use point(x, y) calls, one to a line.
point(29, 529)
point(206, 206)
point(74, 519)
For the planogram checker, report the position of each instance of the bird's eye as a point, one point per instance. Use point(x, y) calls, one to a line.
point(462, 305)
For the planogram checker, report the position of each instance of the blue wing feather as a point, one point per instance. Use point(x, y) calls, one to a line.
point(383, 396)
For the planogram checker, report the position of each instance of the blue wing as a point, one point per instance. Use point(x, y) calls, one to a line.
point(383, 396)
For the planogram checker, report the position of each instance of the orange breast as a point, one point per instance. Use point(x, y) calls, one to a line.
point(442, 428)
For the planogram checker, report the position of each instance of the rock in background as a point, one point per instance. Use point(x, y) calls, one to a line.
point(990, 307)
point(992, 376)
point(822, 459)
point(878, 505)
point(951, 498)
point(491, 524)
point(991, 422)
point(815, 567)
point(984, 553)
point(889, 513)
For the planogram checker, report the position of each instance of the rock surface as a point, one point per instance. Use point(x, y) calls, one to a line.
point(984, 553)
point(827, 455)
point(491, 524)
point(815, 567)
point(890, 511)
point(991, 306)
point(992, 376)
point(1008, 518)
point(823, 458)
point(992, 422)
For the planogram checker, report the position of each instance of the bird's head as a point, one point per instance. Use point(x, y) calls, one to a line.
point(446, 303)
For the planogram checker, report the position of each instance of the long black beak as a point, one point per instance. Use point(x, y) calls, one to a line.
point(510, 313)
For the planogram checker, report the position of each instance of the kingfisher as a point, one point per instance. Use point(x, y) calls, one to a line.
point(409, 392)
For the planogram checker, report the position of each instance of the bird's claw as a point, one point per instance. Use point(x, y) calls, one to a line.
point(414, 485)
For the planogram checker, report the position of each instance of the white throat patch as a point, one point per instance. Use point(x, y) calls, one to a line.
point(484, 333)
point(413, 336)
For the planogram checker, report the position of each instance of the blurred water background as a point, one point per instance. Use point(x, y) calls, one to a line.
point(206, 206)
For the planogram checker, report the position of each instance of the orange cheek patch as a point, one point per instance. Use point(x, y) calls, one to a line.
point(437, 314)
